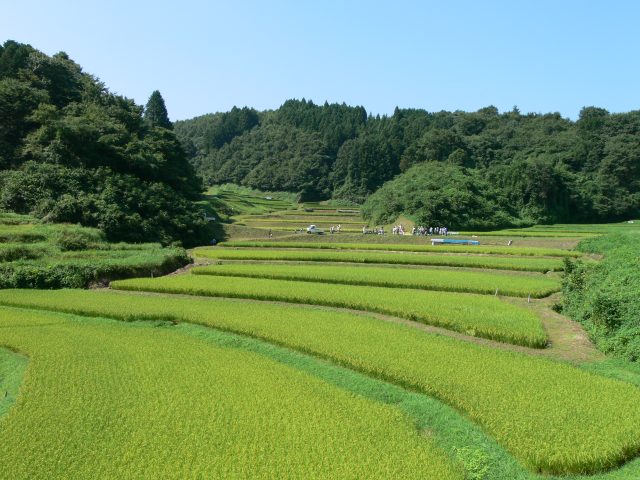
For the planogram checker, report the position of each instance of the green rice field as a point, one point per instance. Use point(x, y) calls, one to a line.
point(167, 404)
point(312, 255)
point(480, 315)
point(488, 250)
point(552, 417)
point(454, 280)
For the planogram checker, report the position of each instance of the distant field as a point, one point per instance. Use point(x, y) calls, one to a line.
point(302, 223)
point(490, 262)
point(490, 249)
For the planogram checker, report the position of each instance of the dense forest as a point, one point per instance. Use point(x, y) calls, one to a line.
point(71, 151)
point(481, 169)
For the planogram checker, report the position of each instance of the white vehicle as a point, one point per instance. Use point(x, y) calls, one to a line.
point(314, 229)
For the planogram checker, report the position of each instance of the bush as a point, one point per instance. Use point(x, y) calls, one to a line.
point(604, 296)
point(437, 193)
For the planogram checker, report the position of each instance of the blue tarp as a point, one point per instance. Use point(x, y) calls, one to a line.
point(435, 241)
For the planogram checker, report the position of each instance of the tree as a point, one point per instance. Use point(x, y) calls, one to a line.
point(71, 151)
point(155, 112)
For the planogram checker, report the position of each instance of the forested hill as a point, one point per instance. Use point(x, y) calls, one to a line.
point(484, 168)
point(71, 151)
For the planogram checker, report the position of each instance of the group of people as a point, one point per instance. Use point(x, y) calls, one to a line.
point(398, 230)
point(335, 229)
point(375, 231)
point(420, 230)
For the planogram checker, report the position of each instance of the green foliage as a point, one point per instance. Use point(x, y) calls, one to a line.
point(70, 151)
point(155, 113)
point(58, 255)
point(553, 417)
point(507, 169)
point(436, 194)
point(274, 157)
point(475, 461)
point(604, 296)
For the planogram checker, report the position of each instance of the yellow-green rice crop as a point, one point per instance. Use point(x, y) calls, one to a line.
point(477, 261)
point(104, 400)
point(303, 222)
point(481, 249)
point(479, 315)
point(517, 285)
point(529, 233)
point(551, 416)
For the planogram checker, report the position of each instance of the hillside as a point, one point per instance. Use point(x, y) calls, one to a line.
point(532, 168)
point(71, 151)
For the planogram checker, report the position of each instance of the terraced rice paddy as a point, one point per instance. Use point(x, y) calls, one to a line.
point(276, 382)
point(516, 285)
point(486, 250)
point(134, 401)
point(479, 315)
point(490, 262)
point(552, 417)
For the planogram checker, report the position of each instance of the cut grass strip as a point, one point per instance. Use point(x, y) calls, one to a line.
point(554, 418)
point(12, 368)
point(515, 285)
point(477, 315)
point(503, 263)
point(488, 249)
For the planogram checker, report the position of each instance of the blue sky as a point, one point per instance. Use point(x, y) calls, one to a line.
point(439, 55)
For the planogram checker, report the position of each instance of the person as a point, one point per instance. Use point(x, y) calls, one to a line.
point(364, 230)
point(509, 243)
point(213, 241)
point(338, 228)
point(270, 233)
point(331, 229)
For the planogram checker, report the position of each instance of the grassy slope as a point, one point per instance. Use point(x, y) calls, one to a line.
point(604, 296)
point(36, 255)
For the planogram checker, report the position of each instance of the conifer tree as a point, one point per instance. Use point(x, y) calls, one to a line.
point(155, 113)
